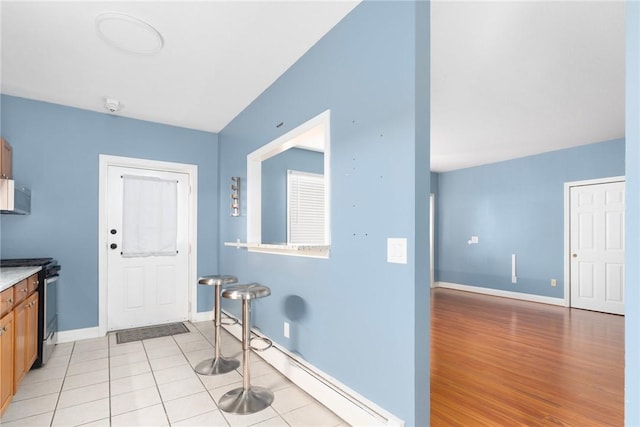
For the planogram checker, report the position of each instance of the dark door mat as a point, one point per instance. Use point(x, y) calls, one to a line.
point(148, 332)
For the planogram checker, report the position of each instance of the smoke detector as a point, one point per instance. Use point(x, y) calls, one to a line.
point(112, 105)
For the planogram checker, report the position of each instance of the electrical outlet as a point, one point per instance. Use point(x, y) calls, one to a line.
point(554, 282)
point(286, 329)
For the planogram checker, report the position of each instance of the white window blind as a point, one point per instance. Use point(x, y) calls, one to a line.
point(305, 208)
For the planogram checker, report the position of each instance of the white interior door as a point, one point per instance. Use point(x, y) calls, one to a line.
point(147, 247)
point(597, 247)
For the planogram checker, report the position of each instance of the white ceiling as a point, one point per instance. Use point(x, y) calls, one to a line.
point(509, 79)
point(218, 56)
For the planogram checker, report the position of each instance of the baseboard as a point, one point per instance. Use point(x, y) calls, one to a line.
point(96, 332)
point(352, 407)
point(79, 334)
point(501, 293)
point(202, 316)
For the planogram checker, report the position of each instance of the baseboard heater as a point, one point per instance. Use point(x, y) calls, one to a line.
point(344, 402)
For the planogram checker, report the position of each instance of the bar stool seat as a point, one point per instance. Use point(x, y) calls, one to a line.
point(217, 280)
point(246, 399)
point(218, 364)
point(251, 291)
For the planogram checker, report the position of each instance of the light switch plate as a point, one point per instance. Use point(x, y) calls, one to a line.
point(397, 250)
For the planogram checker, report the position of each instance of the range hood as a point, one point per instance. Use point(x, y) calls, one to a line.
point(14, 198)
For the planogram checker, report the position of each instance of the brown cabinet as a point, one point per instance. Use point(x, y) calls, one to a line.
point(18, 335)
point(6, 159)
point(26, 337)
point(6, 360)
point(31, 352)
point(20, 343)
point(6, 301)
point(20, 291)
point(32, 283)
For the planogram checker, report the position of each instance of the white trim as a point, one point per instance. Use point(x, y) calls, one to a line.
point(129, 162)
point(501, 293)
point(202, 316)
point(317, 126)
point(309, 251)
point(567, 227)
point(79, 334)
point(352, 407)
point(432, 238)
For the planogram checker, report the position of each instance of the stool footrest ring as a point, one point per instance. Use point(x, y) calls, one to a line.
point(268, 342)
point(229, 321)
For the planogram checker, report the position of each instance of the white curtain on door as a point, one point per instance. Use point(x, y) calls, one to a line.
point(149, 216)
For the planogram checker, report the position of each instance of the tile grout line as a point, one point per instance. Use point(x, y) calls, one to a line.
point(109, 372)
point(130, 376)
point(151, 371)
point(199, 333)
point(164, 408)
point(291, 384)
point(205, 387)
point(198, 376)
point(74, 352)
point(278, 415)
point(64, 379)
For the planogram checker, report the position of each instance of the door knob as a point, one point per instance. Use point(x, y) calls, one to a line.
point(113, 231)
point(575, 255)
point(113, 246)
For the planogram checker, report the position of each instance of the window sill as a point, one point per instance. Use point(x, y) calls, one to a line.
point(312, 251)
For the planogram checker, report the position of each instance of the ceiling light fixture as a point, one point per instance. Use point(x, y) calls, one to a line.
point(128, 33)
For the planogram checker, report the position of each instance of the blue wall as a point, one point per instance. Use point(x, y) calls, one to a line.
point(434, 182)
point(515, 206)
point(352, 313)
point(632, 272)
point(55, 152)
point(274, 189)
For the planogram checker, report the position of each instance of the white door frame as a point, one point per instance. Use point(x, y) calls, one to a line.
point(567, 227)
point(432, 231)
point(130, 162)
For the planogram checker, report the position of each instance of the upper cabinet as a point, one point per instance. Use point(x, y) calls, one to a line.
point(6, 153)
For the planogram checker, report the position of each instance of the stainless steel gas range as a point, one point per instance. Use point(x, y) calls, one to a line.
point(48, 278)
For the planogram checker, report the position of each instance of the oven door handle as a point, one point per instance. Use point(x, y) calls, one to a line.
point(51, 279)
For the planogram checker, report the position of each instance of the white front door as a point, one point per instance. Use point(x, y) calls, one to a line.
point(147, 272)
point(597, 247)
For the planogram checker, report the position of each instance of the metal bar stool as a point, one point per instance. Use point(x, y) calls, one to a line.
point(246, 399)
point(219, 364)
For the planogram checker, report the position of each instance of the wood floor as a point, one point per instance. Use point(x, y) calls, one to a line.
point(503, 362)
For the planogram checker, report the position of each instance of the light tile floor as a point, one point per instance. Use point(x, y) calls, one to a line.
point(152, 383)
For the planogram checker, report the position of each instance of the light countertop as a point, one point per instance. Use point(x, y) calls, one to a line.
point(9, 276)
